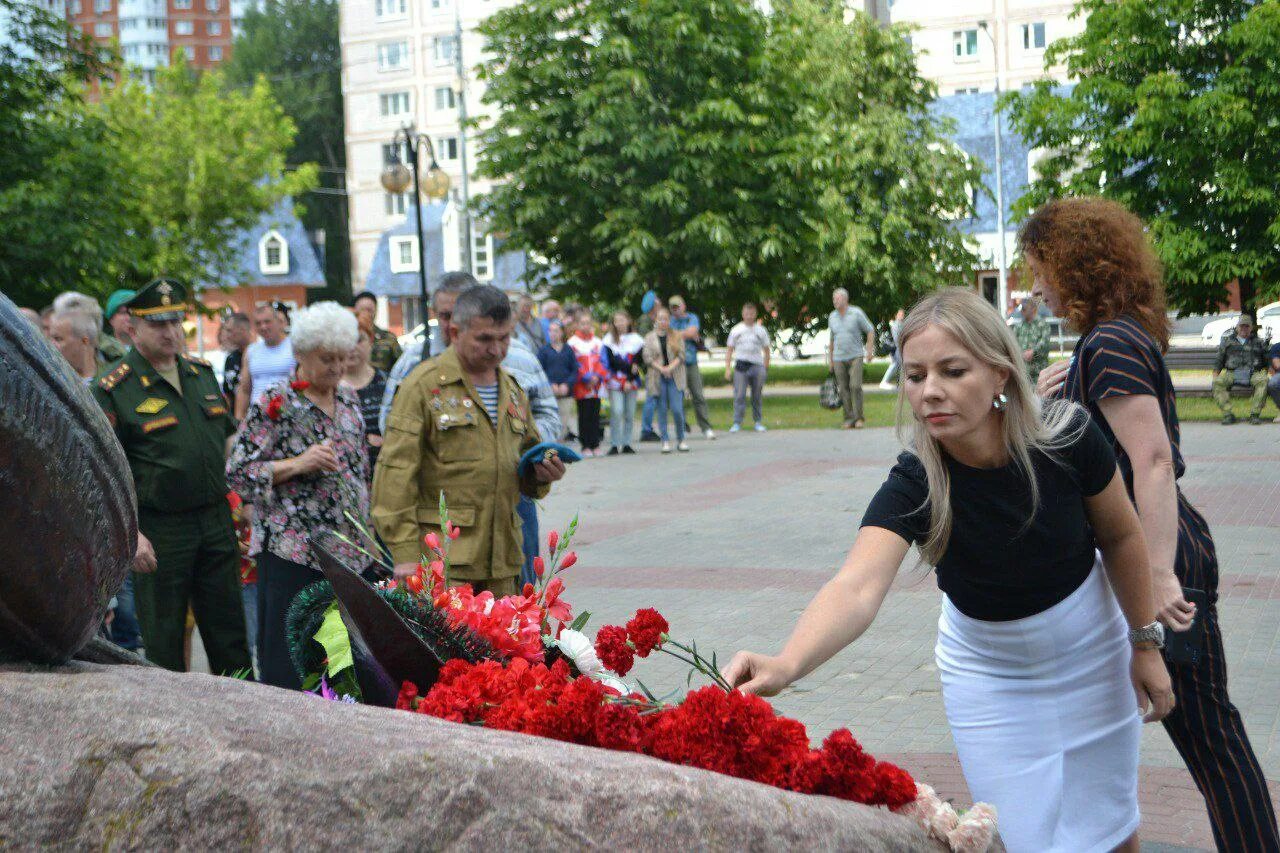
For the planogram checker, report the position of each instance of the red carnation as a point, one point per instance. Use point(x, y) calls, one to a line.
point(275, 404)
point(613, 651)
point(646, 630)
point(553, 539)
point(299, 384)
point(539, 566)
point(569, 560)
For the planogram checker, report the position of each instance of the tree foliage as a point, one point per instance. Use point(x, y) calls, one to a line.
point(294, 44)
point(1175, 115)
point(204, 164)
point(58, 228)
point(702, 147)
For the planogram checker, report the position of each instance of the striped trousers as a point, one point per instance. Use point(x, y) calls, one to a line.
point(1205, 727)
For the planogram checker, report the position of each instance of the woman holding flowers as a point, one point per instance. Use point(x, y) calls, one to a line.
point(300, 458)
point(1039, 659)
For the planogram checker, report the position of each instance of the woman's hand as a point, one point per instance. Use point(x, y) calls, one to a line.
point(1051, 379)
point(317, 457)
point(374, 439)
point(1152, 685)
point(758, 674)
point(1172, 607)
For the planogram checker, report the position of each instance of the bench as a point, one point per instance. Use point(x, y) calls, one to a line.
point(1198, 358)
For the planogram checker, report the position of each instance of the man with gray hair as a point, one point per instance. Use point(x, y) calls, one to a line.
point(849, 326)
point(523, 365)
point(459, 427)
point(442, 301)
point(109, 349)
point(74, 333)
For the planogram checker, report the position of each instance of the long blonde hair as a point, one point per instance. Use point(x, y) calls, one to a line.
point(1027, 424)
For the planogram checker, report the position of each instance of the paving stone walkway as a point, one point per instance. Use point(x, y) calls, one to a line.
point(730, 542)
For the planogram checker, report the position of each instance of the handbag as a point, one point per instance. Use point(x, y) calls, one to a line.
point(829, 393)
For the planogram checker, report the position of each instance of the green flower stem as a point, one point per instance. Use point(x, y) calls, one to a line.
point(697, 662)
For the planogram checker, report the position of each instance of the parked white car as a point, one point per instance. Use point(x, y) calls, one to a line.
point(1268, 323)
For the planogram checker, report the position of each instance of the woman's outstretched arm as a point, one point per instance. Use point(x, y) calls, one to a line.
point(841, 611)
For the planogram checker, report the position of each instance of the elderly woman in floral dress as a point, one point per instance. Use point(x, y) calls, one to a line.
point(300, 458)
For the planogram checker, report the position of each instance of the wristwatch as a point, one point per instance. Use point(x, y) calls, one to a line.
point(1147, 637)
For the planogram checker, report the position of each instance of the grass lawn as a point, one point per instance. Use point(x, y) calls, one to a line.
point(810, 372)
point(803, 412)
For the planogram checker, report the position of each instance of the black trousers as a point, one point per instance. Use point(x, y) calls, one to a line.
point(1205, 727)
point(589, 433)
point(279, 580)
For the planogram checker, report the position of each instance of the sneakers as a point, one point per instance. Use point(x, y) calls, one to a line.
point(627, 450)
point(666, 447)
point(735, 428)
point(709, 434)
point(613, 451)
point(1255, 418)
point(648, 435)
point(1228, 419)
point(760, 427)
point(683, 447)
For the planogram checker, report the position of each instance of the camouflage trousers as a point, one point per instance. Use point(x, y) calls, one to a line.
point(1225, 381)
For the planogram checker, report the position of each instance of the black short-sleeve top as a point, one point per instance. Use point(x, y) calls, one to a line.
point(1120, 358)
point(996, 566)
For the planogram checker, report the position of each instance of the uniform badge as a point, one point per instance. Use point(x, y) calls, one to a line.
point(166, 291)
point(159, 423)
point(215, 411)
point(212, 397)
point(466, 404)
point(151, 406)
point(145, 380)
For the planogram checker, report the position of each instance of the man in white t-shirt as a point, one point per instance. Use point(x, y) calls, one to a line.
point(746, 363)
point(268, 360)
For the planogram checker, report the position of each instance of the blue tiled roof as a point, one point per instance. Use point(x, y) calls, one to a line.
point(304, 264)
point(507, 271)
point(975, 134)
point(382, 280)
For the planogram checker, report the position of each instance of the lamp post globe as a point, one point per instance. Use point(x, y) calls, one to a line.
point(396, 178)
point(435, 184)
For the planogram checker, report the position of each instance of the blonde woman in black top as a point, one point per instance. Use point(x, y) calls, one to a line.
point(1039, 659)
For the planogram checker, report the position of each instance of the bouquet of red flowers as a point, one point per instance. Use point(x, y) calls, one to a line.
point(528, 667)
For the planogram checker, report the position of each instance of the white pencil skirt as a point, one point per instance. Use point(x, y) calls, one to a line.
point(1045, 719)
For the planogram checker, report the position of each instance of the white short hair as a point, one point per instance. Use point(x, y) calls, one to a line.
point(82, 323)
point(839, 291)
point(324, 326)
point(75, 301)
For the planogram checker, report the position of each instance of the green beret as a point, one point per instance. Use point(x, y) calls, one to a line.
point(118, 300)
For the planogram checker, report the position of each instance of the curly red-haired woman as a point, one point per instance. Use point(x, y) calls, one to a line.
point(1094, 265)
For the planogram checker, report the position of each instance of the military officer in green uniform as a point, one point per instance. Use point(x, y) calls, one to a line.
point(459, 424)
point(173, 423)
point(386, 348)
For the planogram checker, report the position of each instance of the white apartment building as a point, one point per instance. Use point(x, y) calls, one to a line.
point(955, 51)
point(398, 68)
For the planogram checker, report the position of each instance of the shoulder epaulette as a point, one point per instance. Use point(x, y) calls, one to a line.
point(200, 361)
point(114, 378)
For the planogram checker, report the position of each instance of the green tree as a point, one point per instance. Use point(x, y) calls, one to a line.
point(1174, 114)
point(62, 225)
point(294, 45)
point(708, 149)
point(204, 163)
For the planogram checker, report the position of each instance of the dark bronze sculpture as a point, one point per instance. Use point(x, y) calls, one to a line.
point(68, 516)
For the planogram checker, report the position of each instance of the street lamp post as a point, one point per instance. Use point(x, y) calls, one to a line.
point(1002, 286)
point(396, 177)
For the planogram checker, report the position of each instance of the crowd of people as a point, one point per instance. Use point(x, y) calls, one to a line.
point(1044, 494)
